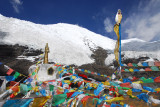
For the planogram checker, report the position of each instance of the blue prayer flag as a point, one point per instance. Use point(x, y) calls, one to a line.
point(10, 78)
point(98, 90)
point(76, 93)
point(17, 103)
point(143, 97)
point(43, 92)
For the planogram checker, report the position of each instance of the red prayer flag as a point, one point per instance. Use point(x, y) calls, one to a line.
point(12, 96)
point(69, 94)
point(10, 71)
point(157, 79)
point(127, 84)
point(15, 88)
point(12, 83)
point(82, 75)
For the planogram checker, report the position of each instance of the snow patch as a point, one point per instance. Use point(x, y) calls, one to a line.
point(110, 59)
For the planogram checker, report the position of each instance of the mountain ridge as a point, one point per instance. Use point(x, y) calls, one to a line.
point(69, 44)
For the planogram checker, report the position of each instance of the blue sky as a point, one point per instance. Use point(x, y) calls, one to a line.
point(140, 17)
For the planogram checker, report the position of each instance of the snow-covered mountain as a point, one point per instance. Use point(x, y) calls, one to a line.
point(136, 48)
point(140, 45)
point(69, 44)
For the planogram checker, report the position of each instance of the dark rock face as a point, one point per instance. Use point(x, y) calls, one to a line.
point(3, 34)
point(98, 66)
point(99, 55)
point(9, 53)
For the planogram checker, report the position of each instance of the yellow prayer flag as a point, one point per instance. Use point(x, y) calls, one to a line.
point(67, 81)
point(138, 82)
point(131, 70)
point(145, 91)
point(157, 89)
point(114, 99)
point(73, 77)
point(60, 89)
point(40, 101)
point(86, 71)
point(106, 83)
point(35, 89)
point(129, 92)
point(116, 50)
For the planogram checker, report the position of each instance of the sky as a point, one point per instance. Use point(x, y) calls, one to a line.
point(140, 17)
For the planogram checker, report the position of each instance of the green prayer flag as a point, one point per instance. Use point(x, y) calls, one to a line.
point(33, 73)
point(126, 70)
point(58, 99)
point(70, 71)
point(59, 68)
point(51, 87)
point(89, 71)
point(122, 92)
point(29, 87)
point(95, 99)
point(135, 65)
point(124, 88)
point(16, 74)
point(23, 88)
point(149, 80)
point(154, 68)
point(142, 78)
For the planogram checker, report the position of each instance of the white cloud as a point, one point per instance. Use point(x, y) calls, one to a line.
point(108, 25)
point(144, 23)
point(16, 4)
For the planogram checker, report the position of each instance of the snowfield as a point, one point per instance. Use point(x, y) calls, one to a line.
point(70, 44)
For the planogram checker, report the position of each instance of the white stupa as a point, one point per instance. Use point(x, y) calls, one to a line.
point(44, 71)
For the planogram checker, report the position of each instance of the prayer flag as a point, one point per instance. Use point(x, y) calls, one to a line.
point(40, 101)
point(16, 74)
point(9, 71)
point(58, 99)
point(17, 103)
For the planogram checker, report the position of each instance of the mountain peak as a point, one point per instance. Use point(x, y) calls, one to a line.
point(132, 40)
point(69, 44)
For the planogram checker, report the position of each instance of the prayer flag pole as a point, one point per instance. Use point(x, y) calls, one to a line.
point(117, 30)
